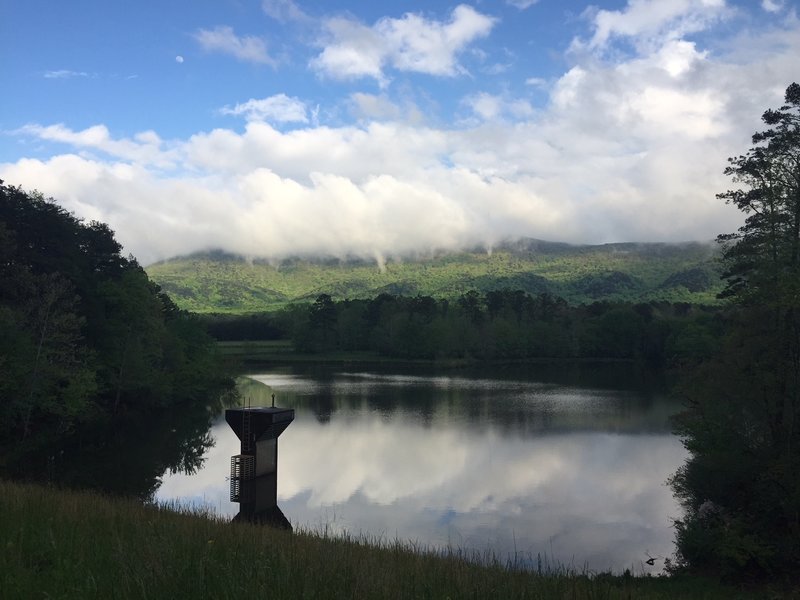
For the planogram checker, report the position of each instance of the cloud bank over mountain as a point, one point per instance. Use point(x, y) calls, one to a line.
point(626, 143)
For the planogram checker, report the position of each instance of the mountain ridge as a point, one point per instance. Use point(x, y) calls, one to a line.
point(219, 281)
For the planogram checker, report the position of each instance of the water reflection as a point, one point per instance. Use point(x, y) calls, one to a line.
point(126, 456)
point(512, 466)
point(516, 406)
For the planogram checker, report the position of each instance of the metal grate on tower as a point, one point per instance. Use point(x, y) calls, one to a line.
point(243, 468)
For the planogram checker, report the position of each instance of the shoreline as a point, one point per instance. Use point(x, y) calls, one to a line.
point(280, 351)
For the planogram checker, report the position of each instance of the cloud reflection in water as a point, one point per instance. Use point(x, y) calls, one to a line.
point(575, 474)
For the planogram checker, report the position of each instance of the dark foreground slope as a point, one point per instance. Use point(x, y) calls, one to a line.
point(214, 282)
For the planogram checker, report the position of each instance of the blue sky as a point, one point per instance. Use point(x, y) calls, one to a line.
point(275, 127)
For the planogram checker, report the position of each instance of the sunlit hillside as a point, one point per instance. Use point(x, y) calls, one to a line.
point(635, 272)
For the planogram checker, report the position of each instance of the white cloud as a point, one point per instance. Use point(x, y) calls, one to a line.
point(669, 112)
point(678, 57)
point(179, 59)
point(363, 190)
point(522, 4)
point(772, 6)
point(247, 48)
point(370, 106)
point(490, 107)
point(65, 74)
point(283, 10)
point(626, 150)
point(537, 82)
point(651, 22)
point(146, 148)
point(279, 108)
point(379, 107)
point(410, 43)
point(354, 51)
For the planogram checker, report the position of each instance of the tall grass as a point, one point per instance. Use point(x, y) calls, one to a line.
point(68, 544)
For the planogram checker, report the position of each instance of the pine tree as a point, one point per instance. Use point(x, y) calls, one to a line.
point(741, 484)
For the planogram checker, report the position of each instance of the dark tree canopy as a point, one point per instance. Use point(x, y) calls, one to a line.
point(84, 334)
point(500, 325)
point(765, 252)
point(741, 484)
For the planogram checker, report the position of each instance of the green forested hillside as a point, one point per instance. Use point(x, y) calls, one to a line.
point(220, 282)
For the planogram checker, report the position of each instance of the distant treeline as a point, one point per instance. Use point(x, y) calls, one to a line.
point(497, 325)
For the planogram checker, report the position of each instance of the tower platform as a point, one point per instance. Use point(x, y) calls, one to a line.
point(264, 423)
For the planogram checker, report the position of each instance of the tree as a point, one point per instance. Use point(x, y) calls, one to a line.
point(323, 318)
point(741, 484)
point(45, 370)
point(84, 334)
point(132, 338)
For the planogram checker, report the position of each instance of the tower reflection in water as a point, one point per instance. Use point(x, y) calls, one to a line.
point(254, 471)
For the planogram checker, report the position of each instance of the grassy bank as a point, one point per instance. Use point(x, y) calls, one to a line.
point(65, 544)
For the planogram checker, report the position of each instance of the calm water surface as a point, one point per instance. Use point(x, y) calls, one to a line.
point(570, 466)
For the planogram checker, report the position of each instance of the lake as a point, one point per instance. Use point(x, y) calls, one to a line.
point(567, 466)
